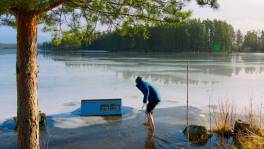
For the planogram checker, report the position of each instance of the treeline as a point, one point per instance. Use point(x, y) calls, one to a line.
point(7, 46)
point(191, 36)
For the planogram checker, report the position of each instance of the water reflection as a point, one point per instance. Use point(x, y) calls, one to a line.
point(149, 142)
point(165, 68)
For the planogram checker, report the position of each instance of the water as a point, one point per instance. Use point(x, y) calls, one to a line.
point(66, 78)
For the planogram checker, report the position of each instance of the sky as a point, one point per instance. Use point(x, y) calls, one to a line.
point(242, 14)
point(8, 35)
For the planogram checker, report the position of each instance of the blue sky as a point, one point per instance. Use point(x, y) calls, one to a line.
point(242, 14)
point(8, 35)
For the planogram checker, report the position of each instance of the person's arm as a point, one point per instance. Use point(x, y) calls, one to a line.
point(146, 93)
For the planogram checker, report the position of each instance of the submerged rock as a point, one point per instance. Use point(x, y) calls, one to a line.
point(197, 134)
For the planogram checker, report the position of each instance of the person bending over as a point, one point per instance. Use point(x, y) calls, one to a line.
point(151, 98)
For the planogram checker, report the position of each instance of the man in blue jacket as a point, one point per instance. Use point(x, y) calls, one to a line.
point(151, 97)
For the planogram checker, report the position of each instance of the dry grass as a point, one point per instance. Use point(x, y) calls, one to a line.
point(251, 114)
point(224, 118)
point(254, 139)
point(249, 141)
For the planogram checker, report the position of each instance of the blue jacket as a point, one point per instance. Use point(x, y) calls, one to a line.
point(151, 94)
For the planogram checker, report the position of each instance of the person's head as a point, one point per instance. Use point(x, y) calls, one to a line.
point(138, 80)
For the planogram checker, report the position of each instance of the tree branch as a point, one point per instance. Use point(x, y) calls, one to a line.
point(50, 6)
point(107, 13)
point(14, 10)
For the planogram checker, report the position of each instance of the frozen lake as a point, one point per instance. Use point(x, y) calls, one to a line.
point(66, 78)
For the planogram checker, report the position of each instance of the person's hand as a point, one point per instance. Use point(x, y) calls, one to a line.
point(143, 106)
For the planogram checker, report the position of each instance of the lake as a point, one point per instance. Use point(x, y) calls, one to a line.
point(67, 77)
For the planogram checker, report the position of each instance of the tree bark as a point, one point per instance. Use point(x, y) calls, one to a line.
point(26, 73)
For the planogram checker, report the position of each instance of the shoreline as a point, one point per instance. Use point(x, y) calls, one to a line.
point(116, 132)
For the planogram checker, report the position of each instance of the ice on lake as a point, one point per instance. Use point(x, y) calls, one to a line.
point(66, 78)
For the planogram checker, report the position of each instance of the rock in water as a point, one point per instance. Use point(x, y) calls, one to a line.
point(11, 124)
point(241, 126)
point(42, 119)
point(197, 134)
point(245, 128)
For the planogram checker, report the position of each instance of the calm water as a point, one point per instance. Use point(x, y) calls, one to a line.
point(65, 78)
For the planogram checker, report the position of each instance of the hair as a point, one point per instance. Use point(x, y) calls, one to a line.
point(138, 79)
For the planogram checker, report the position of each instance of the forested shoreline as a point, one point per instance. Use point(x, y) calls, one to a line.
point(190, 36)
point(7, 46)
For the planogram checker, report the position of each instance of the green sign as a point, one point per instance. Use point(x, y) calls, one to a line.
point(216, 47)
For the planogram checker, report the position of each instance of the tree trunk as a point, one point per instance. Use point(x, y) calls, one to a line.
point(26, 73)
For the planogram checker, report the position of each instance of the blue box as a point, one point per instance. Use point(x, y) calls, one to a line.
point(101, 107)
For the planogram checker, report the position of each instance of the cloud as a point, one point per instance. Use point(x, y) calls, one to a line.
point(242, 14)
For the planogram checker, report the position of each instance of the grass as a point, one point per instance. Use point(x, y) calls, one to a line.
point(251, 114)
point(254, 139)
point(224, 117)
point(249, 141)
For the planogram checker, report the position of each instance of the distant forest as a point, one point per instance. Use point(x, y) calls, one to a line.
point(191, 36)
point(7, 46)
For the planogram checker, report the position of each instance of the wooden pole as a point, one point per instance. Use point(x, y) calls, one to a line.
point(210, 119)
point(187, 105)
